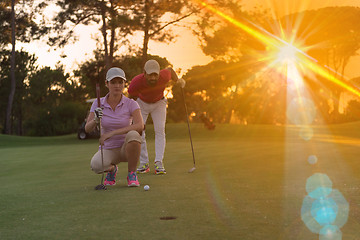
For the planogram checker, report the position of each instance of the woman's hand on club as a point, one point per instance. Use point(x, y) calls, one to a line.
point(103, 137)
point(98, 115)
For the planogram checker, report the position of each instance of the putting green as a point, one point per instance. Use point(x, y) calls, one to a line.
point(249, 183)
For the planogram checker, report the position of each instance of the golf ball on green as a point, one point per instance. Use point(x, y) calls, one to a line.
point(146, 187)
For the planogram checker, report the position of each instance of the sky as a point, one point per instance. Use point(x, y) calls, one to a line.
point(184, 52)
point(283, 7)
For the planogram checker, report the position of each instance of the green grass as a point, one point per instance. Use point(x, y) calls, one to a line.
point(249, 184)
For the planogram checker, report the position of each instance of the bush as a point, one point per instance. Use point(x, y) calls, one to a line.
point(64, 119)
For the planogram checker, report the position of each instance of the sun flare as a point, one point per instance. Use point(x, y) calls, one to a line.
point(286, 54)
point(284, 50)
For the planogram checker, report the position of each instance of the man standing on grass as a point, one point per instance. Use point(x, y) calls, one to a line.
point(149, 88)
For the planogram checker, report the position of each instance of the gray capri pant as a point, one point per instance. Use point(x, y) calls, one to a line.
point(113, 156)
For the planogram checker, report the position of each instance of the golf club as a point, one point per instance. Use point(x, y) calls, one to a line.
point(101, 186)
point(188, 124)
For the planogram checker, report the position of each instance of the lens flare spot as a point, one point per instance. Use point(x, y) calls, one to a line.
point(325, 216)
point(330, 232)
point(306, 133)
point(324, 211)
point(312, 159)
point(320, 192)
point(318, 185)
point(343, 206)
point(307, 217)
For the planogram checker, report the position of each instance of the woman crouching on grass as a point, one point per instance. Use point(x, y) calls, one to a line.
point(121, 123)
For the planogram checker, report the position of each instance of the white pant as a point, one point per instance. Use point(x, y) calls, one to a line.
point(158, 115)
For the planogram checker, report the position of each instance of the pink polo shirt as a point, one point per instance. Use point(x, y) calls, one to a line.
point(150, 94)
point(113, 120)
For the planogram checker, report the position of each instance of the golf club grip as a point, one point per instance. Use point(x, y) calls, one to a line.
point(98, 93)
point(98, 102)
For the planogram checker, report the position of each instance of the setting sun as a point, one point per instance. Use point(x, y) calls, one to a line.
point(286, 54)
point(285, 51)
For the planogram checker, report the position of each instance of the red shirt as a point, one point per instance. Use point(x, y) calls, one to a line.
point(150, 94)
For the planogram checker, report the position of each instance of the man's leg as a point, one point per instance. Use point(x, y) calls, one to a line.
point(144, 158)
point(159, 118)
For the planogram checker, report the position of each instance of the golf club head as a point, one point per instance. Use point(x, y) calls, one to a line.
point(192, 169)
point(100, 187)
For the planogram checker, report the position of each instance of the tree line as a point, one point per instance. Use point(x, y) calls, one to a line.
point(47, 101)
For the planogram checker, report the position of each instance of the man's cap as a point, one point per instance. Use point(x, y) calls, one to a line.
point(152, 66)
point(115, 72)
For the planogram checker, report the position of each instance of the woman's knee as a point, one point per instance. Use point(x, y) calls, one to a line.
point(100, 162)
point(132, 136)
point(96, 166)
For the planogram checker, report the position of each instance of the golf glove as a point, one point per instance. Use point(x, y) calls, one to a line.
point(181, 82)
point(98, 115)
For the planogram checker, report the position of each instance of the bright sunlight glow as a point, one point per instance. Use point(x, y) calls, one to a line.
point(275, 42)
point(287, 54)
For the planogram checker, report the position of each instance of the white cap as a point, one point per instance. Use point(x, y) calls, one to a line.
point(115, 72)
point(152, 66)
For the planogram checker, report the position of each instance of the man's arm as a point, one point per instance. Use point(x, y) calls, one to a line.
point(175, 78)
